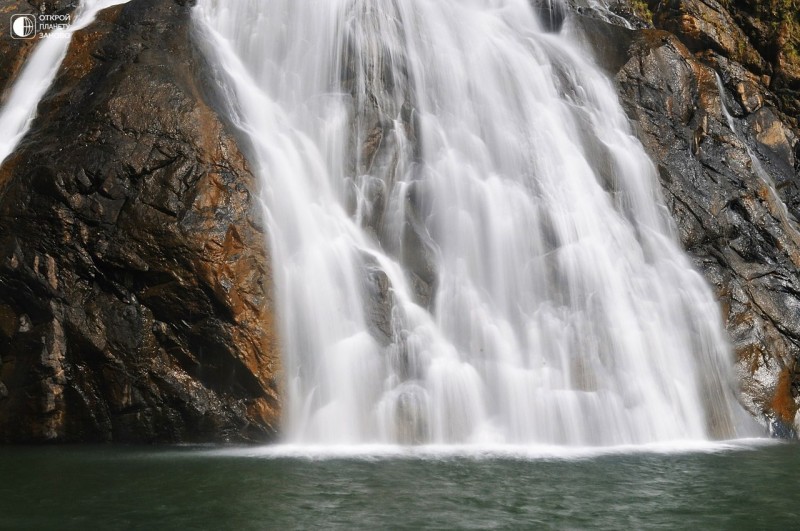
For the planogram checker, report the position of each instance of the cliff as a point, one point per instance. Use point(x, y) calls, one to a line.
point(135, 295)
point(730, 182)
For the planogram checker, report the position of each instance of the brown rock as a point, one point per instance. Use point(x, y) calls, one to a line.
point(135, 286)
point(773, 135)
point(749, 97)
point(706, 24)
point(773, 28)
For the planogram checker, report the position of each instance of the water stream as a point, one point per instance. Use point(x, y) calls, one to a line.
point(468, 243)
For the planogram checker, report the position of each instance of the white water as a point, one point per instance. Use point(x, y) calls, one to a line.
point(602, 9)
point(21, 100)
point(563, 312)
point(479, 452)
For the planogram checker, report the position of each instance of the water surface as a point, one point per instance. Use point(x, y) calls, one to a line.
point(728, 487)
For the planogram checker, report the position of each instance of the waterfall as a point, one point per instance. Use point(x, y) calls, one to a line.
point(468, 243)
point(20, 102)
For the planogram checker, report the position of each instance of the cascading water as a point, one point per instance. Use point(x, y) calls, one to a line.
point(19, 104)
point(468, 245)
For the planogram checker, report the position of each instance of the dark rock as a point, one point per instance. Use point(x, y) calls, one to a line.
point(551, 14)
point(735, 213)
point(782, 430)
point(379, 302)
point(418, 251)
point(135, 288)
point(609, 43)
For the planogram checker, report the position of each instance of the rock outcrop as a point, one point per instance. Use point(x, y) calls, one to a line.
point(728, 164)
point(135, 286)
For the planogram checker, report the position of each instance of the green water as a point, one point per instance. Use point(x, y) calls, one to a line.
point(206, 488)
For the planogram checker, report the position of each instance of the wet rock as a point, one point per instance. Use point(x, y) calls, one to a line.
point(551, 14)
point(379, 302)
point(135, 286)
point(774, 140)
point(609, 43)
point(732, 194)
point(418, 251)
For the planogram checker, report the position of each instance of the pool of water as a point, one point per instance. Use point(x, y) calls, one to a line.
point(750, 485)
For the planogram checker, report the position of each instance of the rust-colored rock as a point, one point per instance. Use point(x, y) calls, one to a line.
point(773, 26)
point(706, 24)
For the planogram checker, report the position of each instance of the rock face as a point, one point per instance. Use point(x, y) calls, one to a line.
point(135, 288)
point(728, 164)
point(773, 28)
